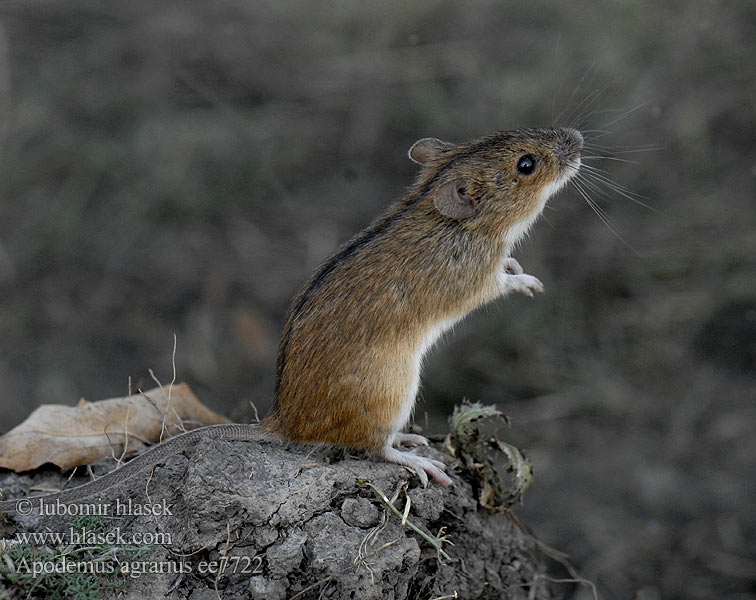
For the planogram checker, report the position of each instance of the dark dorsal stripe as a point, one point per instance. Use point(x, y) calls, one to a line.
point(327, 267)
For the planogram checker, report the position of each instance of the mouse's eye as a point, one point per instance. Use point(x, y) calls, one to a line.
point(526, 165)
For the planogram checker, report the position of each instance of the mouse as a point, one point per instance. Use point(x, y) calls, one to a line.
point(355, 335)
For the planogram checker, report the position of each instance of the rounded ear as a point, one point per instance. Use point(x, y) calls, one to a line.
point(452, 201)
point(423, 151)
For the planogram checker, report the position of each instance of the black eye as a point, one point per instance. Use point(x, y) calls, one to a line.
point(526, 165)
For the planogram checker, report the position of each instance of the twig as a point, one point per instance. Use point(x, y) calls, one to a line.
point(125, 434)
point(556, 555)
point(223, 560)
point(254, 408)
point(436, 542)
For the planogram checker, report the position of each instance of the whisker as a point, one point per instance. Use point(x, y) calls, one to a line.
point(552, 208)
point(625, 114)
point(589, 109)
point(615, 146)
point(595, 188)
point(585, 132)
point(599, 174)
point(549, 222)
point(601, 215)
point(593, 68)
point(559, 88)
point(600, 212)
point(594, 168)
point(618, 189)
point(613, 150)
point(596, 157)
point(621, 146)
point(575, 169)
point(582, 184)
point(587, 185)
point(587, 102)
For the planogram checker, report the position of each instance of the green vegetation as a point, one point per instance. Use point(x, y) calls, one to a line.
point(71, 571)
point(474, 442)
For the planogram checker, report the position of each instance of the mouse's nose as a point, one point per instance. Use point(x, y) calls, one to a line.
point(568, 146)
point(572, 137)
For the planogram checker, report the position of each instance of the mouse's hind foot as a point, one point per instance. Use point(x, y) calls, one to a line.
point(409, 439)
point(422, 466)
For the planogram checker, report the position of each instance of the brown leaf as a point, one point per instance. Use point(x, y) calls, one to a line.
point(69, 436)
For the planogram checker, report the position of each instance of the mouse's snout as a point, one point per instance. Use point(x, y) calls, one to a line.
point(569, 144)
point(577, 136)
point(571, 137)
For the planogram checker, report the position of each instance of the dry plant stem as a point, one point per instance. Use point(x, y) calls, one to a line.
point(170, 387)
point(556, 555)
point(223, 560)
point(170, 391)
point(433, 541)
point(149, 500)
point(405, 514)
point(119, 460)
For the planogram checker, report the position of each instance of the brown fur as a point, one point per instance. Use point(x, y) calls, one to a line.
point(353, 333)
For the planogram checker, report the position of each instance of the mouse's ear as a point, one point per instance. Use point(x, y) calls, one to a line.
point(453, 201)
point(424, 150)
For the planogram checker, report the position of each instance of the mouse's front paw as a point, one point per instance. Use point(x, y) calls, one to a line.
point(526, 284)
point(519, 282)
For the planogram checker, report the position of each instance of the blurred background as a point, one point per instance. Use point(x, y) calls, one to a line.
point(182, 167)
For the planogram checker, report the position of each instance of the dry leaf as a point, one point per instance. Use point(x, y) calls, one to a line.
point(69, 436)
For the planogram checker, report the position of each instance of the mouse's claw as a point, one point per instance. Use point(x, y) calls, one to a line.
point(422, 466)
point(528, 285)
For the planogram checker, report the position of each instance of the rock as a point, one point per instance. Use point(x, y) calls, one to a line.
point(259, 520)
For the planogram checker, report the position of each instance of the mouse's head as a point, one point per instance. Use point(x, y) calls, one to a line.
point(499, 183)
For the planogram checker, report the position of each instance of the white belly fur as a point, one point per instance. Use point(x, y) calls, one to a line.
point(514, 235)
point(408, 402)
